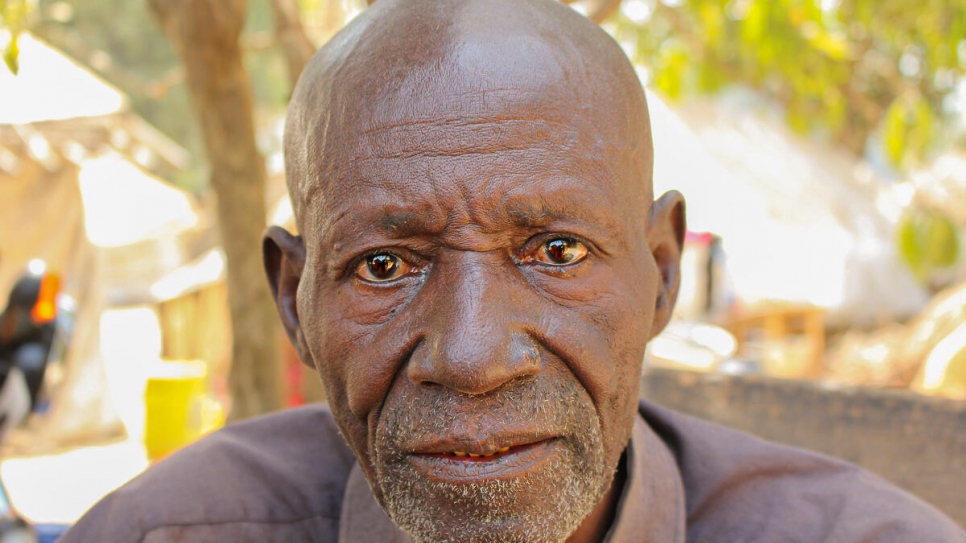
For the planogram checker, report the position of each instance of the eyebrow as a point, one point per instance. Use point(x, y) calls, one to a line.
point(528, 217)
point(402, 224)
point(527, 213)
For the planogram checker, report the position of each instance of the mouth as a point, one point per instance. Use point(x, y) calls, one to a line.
point(478, 464)
point(480, 456)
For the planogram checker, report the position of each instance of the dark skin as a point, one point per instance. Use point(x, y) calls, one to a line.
point(472, 181)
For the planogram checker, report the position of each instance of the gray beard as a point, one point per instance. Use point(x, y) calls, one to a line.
point(545, 506)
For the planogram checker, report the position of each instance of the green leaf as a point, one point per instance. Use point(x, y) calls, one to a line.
point(11, 55)
point(894, 131)
point(909, 130)
point(927, 240)
point(710, 78)
point(713, 19)
point(755, 22)
point(834, 45)
point(942, 241)
point(837, 66)
point(671, 68)
point(835, 110)
point(910, 249)
point(922, 129)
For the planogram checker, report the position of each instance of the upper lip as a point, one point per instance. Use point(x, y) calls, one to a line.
point(485, 445)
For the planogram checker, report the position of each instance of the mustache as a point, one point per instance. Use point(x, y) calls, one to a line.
point(544, 405)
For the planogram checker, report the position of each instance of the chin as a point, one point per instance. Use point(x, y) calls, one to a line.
point(537, 492)
point(546, 504)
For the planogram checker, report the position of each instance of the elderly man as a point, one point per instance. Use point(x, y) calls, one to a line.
point(480, 266)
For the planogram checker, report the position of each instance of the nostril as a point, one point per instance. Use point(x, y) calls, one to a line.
point(524, 353)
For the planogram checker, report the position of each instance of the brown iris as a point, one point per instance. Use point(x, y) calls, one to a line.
point(562, 251)
point(382, 267)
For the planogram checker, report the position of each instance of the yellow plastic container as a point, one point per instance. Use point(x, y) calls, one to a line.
point(174, 403)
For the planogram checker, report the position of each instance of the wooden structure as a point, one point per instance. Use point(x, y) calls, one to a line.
point(779, 323)
point(195, 326)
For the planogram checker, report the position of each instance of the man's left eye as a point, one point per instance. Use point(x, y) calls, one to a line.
point(383, 267)
point(562, 251)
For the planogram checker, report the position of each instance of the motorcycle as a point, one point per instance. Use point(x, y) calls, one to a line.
point(35, 327)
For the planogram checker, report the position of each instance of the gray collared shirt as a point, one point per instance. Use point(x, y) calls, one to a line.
point(289, 477)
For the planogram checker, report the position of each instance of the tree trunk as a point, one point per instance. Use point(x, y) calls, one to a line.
point(291, 36)
point(205, 34)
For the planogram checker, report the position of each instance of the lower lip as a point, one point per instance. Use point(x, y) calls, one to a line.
point(467, 470)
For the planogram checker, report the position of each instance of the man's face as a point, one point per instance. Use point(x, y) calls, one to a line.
point(477, 292)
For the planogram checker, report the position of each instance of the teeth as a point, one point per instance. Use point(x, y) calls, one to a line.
point(471, 455)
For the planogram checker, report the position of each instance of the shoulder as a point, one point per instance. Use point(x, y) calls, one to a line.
point(741, 488)
point(284, 471)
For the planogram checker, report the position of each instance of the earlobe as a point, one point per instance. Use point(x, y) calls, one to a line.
point(284, 257)
point(665, 237)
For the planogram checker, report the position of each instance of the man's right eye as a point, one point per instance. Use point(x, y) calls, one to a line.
point(383, 267)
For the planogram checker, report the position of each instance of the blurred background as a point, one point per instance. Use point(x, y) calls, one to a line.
point(821, 146)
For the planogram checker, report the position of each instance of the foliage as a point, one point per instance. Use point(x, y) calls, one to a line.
point(12, 16)
point(846, 69)
point(132, 53)
point(928, 241)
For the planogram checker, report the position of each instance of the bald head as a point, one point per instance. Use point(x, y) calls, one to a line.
point(405, 68)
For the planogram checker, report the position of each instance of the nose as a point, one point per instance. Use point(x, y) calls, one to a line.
point(476, 337)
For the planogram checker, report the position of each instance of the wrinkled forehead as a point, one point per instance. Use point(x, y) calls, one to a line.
point(476, 77)
point(447, 114)
point(490, 77)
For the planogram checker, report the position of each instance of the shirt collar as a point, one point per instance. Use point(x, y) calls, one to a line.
point(651, 507)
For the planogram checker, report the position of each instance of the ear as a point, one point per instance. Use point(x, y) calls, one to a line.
point(665, 237)
point(284, 258)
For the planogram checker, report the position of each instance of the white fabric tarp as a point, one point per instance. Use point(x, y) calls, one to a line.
point(797, 226)
point(50, 86)
point(124, 204)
